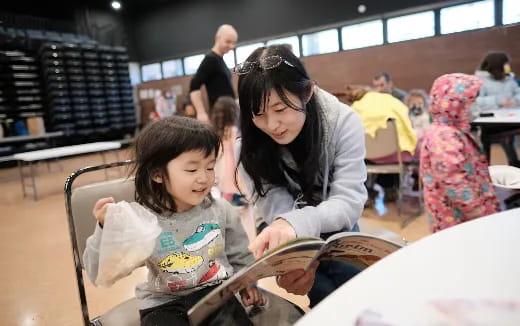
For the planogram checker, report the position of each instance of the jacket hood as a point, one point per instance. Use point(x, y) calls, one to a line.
point(451, 97)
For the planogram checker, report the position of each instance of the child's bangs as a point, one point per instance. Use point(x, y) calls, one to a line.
point(206, 142)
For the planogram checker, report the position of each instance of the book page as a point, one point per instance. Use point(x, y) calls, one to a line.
point(296, 254)
point(358, 249)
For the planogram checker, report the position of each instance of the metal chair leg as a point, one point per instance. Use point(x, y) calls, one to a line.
point(35, 194)
point(421, 205)
point(22, 179)
point(104, 162)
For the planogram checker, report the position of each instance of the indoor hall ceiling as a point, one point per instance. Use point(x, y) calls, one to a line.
point(64, 10)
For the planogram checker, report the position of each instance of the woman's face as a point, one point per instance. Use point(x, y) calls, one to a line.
point(282, 123)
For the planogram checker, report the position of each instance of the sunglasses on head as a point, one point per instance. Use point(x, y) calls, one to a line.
point(266, 63)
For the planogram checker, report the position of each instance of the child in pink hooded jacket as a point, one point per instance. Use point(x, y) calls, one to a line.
point(454, 169)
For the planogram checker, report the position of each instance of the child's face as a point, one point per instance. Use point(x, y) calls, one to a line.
point(416, 101)
point(190, 178)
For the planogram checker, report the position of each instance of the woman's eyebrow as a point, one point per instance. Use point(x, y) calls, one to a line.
point(277, 104)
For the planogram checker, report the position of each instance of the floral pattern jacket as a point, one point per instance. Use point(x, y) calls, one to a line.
point(453, 167)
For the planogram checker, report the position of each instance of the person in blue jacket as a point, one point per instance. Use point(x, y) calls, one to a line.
point(499, 90)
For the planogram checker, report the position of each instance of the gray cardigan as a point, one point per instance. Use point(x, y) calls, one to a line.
point(343, 160)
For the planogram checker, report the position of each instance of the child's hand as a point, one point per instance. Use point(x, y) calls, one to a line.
point(475, 213)
point(100, 209)
point(252, 296)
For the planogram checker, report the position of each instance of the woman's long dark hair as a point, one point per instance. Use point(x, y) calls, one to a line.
point(260, 154)
point(159, 143)
point(494, 64)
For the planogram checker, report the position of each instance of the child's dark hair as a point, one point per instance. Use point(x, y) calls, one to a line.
point(260, 154)
point(159, 143)
point(494, 64)
point(224, 114)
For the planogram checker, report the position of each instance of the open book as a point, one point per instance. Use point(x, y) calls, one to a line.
point(358, 249)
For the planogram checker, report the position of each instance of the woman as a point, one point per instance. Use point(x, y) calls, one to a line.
point(302, 158)
point(499, 90)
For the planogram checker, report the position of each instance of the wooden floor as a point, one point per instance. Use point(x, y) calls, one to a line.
point(38, 284)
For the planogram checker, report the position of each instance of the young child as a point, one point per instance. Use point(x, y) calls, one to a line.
point(454, 169)
point(417, 101)
point(224, 119)
point(202, 242)
point(187, 108)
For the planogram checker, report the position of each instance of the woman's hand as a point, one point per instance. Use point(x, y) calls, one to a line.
point(508, 103)
point(272, 236)
point(100, 209)
point(298, 281)
point(252, 296)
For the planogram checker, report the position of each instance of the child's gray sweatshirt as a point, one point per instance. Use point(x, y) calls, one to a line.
point(197, 248)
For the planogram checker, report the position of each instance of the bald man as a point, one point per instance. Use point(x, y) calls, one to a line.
point(213, 72)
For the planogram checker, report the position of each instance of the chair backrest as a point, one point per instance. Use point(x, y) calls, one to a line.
point(83, 200)
point(385, 142)
point(79, 203)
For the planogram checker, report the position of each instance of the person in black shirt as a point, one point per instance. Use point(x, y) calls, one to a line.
point(214, 73)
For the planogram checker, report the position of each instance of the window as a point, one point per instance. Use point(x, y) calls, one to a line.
point(151, 72)
point(362, 35)
point(229, 59)
point(411, 27)
point(244, 51)
point(291, 40)
point(172, 68)
point(510, 11)
point(468, 16)
point(135, 76)
point(321, 42)
point(191, 64)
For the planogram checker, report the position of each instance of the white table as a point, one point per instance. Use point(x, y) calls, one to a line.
point(476, 260)
point(506, 121)
point(504, 116)
point(16, 139)
point(58, 152)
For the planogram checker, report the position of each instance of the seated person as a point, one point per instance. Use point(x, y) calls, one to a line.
point(417, 102)
point(383, 83)
point(188, 109)
point(375, 109)
point(499, 90)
